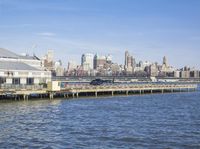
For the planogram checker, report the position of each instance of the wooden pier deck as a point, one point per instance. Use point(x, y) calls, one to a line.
point(77, 90)
point(127, 89)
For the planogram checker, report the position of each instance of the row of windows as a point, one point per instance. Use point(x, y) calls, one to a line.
point(29, 81)
point(10, 73)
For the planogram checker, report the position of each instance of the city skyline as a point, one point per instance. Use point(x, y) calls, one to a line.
point(148, 29)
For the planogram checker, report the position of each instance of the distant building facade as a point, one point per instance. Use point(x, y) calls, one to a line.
point(87, 61)
point(99, 61)
point(129, 63)
point(47, 61)
point(59, 70)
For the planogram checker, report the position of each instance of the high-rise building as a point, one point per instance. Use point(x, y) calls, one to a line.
point(129, 63)
point(109, 59)
point(165, 61)
point(87, 61)
point(99, 61)
point(194, 74)
point(185, 74)
point(59, 70)
point(71, 65)
point(176, 74)
point(154, 70)
point(47, 61)
point(50, 56)
point(165, 69)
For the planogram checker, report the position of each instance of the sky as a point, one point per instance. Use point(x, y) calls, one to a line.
point(148, 29)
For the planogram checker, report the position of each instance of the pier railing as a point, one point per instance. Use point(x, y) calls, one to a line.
point(20, 87)
point(127, 86)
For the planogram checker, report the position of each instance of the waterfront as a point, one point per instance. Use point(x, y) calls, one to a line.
point(148, 121)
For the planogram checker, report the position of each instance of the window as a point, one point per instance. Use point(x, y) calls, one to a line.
point(2, 80)
point(16, 81)
point(30, 81)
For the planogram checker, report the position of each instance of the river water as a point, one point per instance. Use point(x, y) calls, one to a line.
point(147, 121)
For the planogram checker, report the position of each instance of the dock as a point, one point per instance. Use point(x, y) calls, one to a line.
point(128, 89)
point(85, 90)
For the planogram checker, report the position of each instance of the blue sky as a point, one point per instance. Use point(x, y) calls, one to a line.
point(149, 29)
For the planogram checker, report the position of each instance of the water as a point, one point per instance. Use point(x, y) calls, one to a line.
point(148, 121)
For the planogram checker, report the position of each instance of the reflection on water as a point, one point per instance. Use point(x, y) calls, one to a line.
point(149, 121)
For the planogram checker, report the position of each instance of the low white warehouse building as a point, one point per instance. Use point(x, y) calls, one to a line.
point(21, 70)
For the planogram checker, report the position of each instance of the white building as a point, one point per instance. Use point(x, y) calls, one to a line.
point(109, 58)
point(165, 67)
point(59, 69)
point(16, 69)
point(71, 65)
point(6, 55)
point(87, 61)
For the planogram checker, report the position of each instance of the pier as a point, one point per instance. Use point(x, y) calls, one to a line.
point(83, 90)
point(128, 89)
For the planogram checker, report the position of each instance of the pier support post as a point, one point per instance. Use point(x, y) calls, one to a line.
point(66, 95)
point(72, 95)
point(127, 93)
point(140, 92)
point(50, 95)
point(112, 93)
point(96, 94)
point(77, 95)
point(151, 91)
point(24, 96)
point(162, 90)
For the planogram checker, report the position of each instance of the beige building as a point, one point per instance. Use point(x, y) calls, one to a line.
point(99, 61)
point(129, 63)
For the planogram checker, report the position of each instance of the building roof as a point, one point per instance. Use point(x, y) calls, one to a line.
point(8, 65)
point(7, 54)
point(4, 53)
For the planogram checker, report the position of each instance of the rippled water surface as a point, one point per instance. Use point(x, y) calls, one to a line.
point(148, 121)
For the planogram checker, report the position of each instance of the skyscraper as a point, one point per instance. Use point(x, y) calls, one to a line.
point(165, 61)
point(47, 61)
point(50, 56)
point(71, 65)
point(129, 63)
point(87, 61)
point(99, 61)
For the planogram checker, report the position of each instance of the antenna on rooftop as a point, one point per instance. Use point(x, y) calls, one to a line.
point(34, 46)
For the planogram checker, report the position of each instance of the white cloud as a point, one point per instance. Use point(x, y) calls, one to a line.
point(46, 34)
